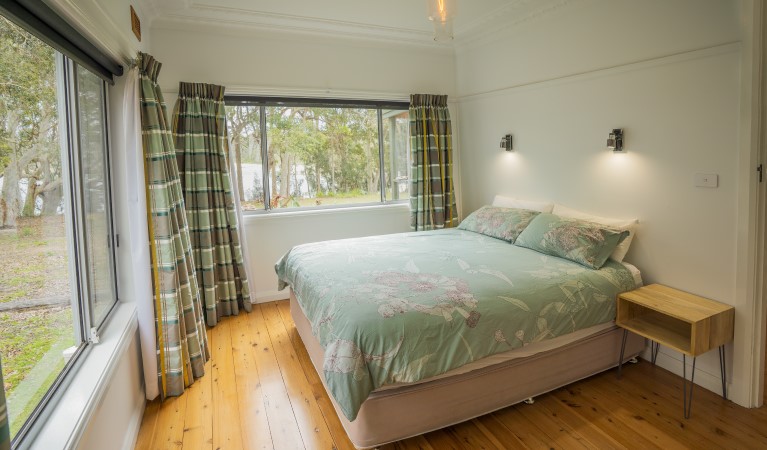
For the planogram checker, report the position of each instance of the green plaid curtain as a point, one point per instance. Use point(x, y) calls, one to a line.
point(202, 149)
point(182, 345)
point(5, 432)
point(432, 197)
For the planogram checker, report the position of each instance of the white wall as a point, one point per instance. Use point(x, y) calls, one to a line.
point(668, 72)
point(272, 63)
point(590, 35)
point(115, 424)
point(107, 24)
point(301, 65)
point(270, 236)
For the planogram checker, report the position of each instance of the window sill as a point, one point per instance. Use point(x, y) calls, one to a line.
point(387, 208)
point(69, 416)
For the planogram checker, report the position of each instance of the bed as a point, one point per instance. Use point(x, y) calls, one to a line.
point(417, 331)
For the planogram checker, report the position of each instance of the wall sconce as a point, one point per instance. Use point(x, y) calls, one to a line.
point(615, 140)
point(506, 143)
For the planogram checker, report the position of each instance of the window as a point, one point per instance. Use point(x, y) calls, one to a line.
point(56, 239)
point(310, 153)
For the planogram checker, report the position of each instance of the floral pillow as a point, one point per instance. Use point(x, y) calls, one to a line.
point(497, 222)
point(586, 243)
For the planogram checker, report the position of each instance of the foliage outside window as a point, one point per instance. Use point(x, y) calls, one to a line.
point(56, 237)
point(302, 153)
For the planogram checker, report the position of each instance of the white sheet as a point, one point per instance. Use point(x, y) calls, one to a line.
point(635, 272)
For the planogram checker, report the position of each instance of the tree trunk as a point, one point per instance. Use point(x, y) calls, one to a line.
point(9, 197)
point(52, 199)
point(31, 198)
point(9, 201)
point(372, 173)
point(272, 173)
point(285, 175)
point(238, 165)
point(295, 176)
point(332, 187)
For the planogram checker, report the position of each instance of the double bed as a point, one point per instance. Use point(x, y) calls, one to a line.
point(417, 331)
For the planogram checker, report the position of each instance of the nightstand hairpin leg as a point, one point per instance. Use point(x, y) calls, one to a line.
point(623, 350)
point(687, 398)
point(654, 347)
point(723, 367)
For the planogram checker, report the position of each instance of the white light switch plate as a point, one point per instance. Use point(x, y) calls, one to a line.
point(710, 180)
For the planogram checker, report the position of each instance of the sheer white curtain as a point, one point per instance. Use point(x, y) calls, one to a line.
point(234, 175)
point(136, 262)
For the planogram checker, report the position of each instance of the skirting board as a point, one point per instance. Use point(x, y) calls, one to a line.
point(673, 363)
point(131, 433)
point(270, 296)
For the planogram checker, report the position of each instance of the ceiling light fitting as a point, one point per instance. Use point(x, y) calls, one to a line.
point(441, 13)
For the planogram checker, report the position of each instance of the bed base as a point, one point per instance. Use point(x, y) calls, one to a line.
point(399, 413)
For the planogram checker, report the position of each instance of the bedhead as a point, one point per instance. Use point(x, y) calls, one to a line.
point(405, 307)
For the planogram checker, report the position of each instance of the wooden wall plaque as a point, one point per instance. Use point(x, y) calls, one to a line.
point(135, 23)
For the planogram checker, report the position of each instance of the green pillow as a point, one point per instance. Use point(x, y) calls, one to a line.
point(586, 243)
point(497, 222)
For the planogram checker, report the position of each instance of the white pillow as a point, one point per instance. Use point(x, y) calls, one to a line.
point(508, 202)
point(629, 225)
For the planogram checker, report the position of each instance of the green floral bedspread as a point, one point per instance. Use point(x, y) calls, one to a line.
point(404, 307)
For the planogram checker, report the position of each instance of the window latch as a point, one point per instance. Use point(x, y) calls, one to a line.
point(760, 169)
point(95, 338)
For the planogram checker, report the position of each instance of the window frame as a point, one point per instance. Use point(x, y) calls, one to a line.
point(85, 330)
point(262, 102)
point(86, 298)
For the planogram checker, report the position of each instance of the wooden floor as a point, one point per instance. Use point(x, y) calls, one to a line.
point(261, 391)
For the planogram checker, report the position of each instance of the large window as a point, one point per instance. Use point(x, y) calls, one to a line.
point(309, 153)
point(57, 283)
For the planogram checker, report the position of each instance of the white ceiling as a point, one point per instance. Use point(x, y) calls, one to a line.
point(397, 20)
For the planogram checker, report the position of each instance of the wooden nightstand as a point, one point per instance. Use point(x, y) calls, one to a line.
point(684, 322)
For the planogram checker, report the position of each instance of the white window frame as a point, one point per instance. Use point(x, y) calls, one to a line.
point(85, 330)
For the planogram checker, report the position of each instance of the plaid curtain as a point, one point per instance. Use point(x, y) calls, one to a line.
point(202, 148)
point(5, 432)
point(182, 345)
point(432, 197)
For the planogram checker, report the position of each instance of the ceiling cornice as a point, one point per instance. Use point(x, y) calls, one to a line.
point(180, 14)
point(501, 12)
point(509, 16)
point(149, 10)
point(89, 17)
point(224, 19)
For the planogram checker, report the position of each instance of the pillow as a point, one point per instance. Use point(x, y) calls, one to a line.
point(586, 243)
point(629, 225)
point(508, 202)
point(500, 223)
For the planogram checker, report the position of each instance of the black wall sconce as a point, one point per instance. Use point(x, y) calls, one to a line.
point(506, 143)
point(615, 140)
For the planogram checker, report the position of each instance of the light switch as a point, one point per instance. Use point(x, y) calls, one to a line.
point(710, 180)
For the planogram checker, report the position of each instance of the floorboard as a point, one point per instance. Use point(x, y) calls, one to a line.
point(254, 422)
point(261, 391)
point(227, 425)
